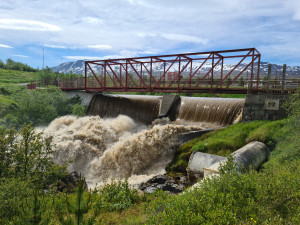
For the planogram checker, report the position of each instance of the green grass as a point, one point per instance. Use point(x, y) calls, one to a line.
point(225, 141)
point(5, 101)
point(15, 76)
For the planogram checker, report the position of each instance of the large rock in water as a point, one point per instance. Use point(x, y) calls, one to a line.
point(69, 183)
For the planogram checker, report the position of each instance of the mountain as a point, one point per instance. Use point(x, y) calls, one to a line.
point(158, 68)
point(76, 67)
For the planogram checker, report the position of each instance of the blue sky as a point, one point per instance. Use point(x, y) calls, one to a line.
point(98, 29)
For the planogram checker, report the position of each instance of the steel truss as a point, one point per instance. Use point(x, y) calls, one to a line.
point(191, 73)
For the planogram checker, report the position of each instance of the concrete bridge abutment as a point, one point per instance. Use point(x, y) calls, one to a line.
point(264, 107)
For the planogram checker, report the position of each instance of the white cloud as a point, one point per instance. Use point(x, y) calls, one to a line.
point(81, 57)
point(5, 46)
point(138, 2)
point(143, 35)
point(31, 25)
point(147, 52)
point(102, 47)
point(184, 38)
point(21, 56)
point(175, 37)
point(92, 20)
point(55, 46)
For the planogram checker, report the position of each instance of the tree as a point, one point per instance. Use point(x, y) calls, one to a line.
point(2, 65)
point(242, 82)
point(40, 107)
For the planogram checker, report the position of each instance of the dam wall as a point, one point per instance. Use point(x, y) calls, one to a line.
point(181, 110)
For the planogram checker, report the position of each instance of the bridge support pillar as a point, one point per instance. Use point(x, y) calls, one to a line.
point(169, 106)
point(264, 107)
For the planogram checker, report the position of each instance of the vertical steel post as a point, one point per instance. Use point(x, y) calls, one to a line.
point(258, 71)
point(191, 73)
point(104, 76)
point(252, 72)
point(222, 71)
point(269, 77)
point(150, 85)
point(164, 74)
point(121, 75)
point(178, 79)
point(283, 78)
point(126, 76)
point(85, 75)
point(212, 72)
point(141, 76)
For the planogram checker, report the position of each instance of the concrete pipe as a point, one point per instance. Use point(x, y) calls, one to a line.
point(252, 155)
point(198, 161)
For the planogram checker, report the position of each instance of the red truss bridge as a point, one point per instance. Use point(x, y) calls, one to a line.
point(227, 71)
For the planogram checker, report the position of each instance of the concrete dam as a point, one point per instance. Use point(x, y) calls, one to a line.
point(180, 110)
point(133, 136)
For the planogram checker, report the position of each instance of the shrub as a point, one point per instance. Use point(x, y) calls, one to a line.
point(115, 196)
point(233, 198)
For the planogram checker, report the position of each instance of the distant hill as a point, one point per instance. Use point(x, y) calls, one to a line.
point(291, 71)
point(15, 76)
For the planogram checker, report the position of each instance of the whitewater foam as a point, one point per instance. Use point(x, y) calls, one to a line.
point(113, 148)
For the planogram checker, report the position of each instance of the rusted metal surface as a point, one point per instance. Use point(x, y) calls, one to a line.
point(180, 73)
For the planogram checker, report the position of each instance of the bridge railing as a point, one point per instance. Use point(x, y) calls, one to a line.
point(238, 86)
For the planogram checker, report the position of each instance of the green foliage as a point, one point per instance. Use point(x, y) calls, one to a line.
point(41, 107)
point(15, 76)
point(26, 169)
point(233, 198)
point(292, 106)
point(12, 65)
point(78, 110)
point(26, 154)
point(77, 207)
point(115, 196)
point(12, 193)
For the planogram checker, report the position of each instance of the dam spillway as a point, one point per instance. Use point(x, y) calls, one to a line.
point(145, 109)
point(121, 136)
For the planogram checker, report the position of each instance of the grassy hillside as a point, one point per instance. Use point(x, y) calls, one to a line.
point(15, 76)
point(225, 141)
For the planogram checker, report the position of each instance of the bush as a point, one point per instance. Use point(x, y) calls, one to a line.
point(78, 110)
point(26, 169)
point(26, 154)
point(40, 107)
point(115, 196)
point(233, 198)
point(13, 191)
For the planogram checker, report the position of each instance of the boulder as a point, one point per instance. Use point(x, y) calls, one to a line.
point(172, 185)
point(69, 183)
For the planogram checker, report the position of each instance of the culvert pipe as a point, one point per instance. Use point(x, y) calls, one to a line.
point(252, 155)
